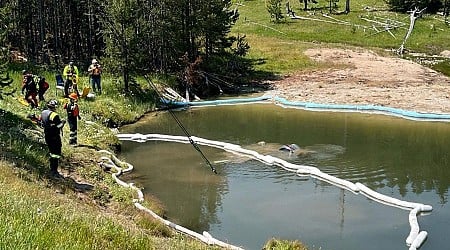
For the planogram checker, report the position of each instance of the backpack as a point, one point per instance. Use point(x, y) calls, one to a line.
point(43, 85)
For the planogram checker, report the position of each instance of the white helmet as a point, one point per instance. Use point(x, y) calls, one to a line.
point(52, 104)
point(94, 61)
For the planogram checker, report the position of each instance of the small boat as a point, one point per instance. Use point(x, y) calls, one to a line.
point(173, 103)
point(172, 99)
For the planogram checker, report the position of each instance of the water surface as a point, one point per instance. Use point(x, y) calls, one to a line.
point(248, 202)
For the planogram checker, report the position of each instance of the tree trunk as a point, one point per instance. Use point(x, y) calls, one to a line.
point(446, 10)
point(306, 4)
point(125, 66)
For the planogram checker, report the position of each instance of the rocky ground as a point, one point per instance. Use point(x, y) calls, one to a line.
point(361, 77)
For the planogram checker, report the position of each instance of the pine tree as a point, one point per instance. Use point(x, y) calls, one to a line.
point(5, 80)
point(274, 9)
point(408, 5)
point(135, 36)
point(121, 28)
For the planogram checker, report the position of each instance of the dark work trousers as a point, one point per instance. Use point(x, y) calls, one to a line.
point(73, 126)
point(54, 146)
point(68, 84)
point(41, 93)
point(96, 84)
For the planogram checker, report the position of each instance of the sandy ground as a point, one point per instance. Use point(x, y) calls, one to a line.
point(363, 77)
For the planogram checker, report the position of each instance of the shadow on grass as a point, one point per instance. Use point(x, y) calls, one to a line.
point(234, 75)
point(21, 143)
point(443, 67)
point(62, 183)
point(18, 145)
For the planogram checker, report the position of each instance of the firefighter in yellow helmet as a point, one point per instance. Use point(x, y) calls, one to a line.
point(70, 72)
point(53, 125)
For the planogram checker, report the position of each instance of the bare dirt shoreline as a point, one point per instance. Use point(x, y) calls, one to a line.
point(363, 77)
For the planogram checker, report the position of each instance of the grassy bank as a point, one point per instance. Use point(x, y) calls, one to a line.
point(43, 214)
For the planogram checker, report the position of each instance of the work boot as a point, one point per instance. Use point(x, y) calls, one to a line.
point(54, 168)
point(72, 142)
point(57, 175)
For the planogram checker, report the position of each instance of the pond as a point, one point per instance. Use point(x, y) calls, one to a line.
point(247, 202)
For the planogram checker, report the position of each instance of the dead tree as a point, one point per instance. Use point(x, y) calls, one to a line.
point(446, 10)
point(413, 16)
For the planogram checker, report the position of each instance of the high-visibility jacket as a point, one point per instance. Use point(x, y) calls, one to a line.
point(51, 122)
point(71, 73)
point(72, 109)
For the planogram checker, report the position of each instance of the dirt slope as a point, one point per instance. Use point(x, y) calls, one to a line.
point(363, 77)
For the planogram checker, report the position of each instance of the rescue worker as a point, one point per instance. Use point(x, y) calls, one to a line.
point(73, 114)
point(70, 72)
point(43, 86)
point(53, 125)
point(95, 71)
point(29, 89)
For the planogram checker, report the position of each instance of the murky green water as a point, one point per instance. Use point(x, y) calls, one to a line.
point(247, 203)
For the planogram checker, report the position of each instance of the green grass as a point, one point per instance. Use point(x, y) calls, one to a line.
point(278, 244)
point(442, 67)
point(35, 216)
point(281, 45)
point(289, 54)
